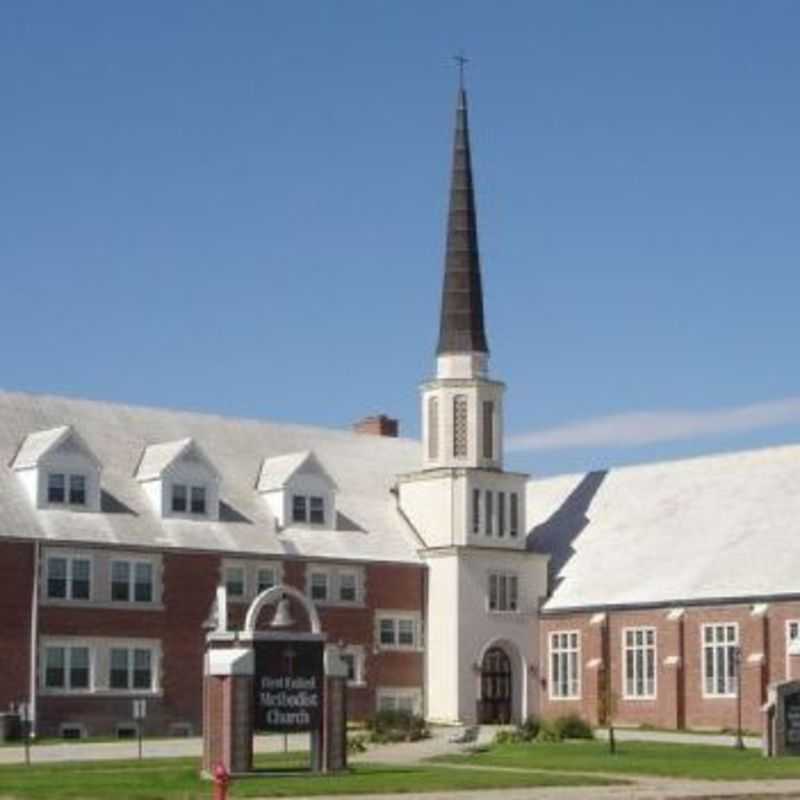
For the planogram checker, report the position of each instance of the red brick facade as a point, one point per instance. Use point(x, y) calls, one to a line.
point(679, 699)
point(189, 583)
point(16, 588)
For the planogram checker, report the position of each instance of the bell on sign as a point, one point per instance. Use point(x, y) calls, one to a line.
point(283, 616)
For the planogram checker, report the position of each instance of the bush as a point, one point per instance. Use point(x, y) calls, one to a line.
point(396, 726)
point(548, 732)
point(571, 726)
point(508, 737)
point(529, 729)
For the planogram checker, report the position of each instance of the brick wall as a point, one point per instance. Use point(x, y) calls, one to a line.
point(189, 582)
point(680, 700)
point(16, 586)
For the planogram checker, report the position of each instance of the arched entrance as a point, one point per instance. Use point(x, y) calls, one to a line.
point(495, 703)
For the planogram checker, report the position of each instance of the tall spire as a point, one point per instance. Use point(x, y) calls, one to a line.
point(461, 327)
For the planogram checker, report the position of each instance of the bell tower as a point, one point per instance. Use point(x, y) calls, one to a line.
point(483, 584)
point(462, 410)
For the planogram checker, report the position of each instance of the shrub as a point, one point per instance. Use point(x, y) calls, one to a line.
point(529, 729)
point(548, 732)
point(396, 726)
point(571, 726)
point(508, 737)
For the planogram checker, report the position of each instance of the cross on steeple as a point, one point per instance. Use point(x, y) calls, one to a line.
point(461, 60)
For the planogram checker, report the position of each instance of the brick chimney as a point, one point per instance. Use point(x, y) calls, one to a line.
point(378, 425)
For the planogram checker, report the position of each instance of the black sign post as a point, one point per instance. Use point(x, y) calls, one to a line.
point(289, 685)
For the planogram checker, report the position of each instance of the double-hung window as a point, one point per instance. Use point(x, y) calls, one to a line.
point(476, 510)
point(503, 592)
point(131, 669)
point(489, 512)
point(67, 668)
point(132, 581)
point(397, 632)
point(69, 578)
point(501, 514)
point(565, 665)
point(265, 579)
point(639, 658)
point(188, 499)
point(348, 587)
point(235, 582)
point(319, 586)
point(308, 509)
point(720, 649)
point(64, 488)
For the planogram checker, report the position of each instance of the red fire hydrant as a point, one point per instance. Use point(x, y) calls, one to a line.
point(222, 779)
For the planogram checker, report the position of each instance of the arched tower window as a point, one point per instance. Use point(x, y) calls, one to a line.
point(433, 428)
point(460, 426)
point(488, 429)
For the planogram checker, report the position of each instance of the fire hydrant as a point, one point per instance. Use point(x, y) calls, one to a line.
point(222, 779)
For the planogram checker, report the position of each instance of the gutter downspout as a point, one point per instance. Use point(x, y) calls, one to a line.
point(34, 638)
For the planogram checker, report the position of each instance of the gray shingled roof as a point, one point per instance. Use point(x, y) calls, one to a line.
point(363, 467)
point(711, 528)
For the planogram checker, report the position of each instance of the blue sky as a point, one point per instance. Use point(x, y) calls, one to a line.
point(240, 208)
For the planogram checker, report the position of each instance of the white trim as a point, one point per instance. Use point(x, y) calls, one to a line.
point(788, 641)
point(359, 664)
point(334, 574)
point(736, 643)
point(132, 563)
point(578, 670)
point(645, 647)
point(414, 693)
point(396, 617)
point(70, 556)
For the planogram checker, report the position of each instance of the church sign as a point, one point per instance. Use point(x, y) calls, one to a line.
point(288, 685)
point(792, 719)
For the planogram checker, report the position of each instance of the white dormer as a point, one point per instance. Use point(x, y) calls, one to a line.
point(180, 480)
point(59, 470)
point(299, 491)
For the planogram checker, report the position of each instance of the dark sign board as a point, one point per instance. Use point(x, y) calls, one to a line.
point(792, 718)
point(288, 685)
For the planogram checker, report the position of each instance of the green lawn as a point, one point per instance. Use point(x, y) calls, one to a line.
point(177, 779)
point(638, 758)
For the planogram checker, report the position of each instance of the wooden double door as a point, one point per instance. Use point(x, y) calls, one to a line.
point(494, 707)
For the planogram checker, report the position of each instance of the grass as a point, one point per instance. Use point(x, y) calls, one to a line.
point(178, 779)
point(704, 762)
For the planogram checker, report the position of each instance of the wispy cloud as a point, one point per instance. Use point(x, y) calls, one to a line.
point(649, 427)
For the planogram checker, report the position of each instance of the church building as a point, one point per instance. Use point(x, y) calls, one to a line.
point(661, 594)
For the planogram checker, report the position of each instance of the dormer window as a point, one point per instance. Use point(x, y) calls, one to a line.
point(298, 490)
point(58, 469)
point(180, 480)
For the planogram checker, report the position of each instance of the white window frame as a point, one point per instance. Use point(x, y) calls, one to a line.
point(189, 486)
point(226, 568)
point(508, 579)
point(396, 617)
point(70, 557)
point(132, 563)
point(728, 654)
point(324, 499)
point(334, 574)
point(322, 573)
point(574, 685)
point(791, 623)
point(276, 578)
point(395, 695)
point(357, 652)
point(645, 647)
point(68, 476)
point(131, 651)
point(67, 646)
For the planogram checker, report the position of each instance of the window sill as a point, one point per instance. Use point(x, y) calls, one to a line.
point(394, 648)
point(115, 605)
point(640, 698)
point(569, 699)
